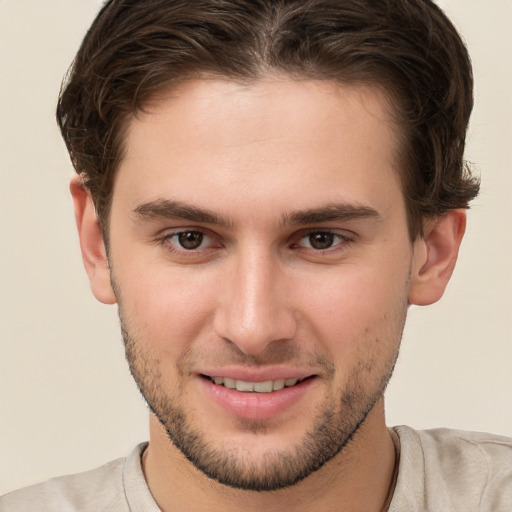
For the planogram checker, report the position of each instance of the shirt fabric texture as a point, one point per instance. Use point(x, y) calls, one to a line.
point(440, 470)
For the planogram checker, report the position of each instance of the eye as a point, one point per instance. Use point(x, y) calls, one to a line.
point(194, 245)
point(189, 240)
point(322, 240)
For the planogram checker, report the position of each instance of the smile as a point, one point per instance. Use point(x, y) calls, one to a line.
point(256, 399)
point(255, 387)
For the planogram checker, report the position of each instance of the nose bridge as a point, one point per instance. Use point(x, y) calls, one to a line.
point(254, 310)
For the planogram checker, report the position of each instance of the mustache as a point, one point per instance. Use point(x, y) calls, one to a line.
point(276, 353)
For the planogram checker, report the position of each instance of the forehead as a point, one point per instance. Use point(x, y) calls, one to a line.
point(269, 142)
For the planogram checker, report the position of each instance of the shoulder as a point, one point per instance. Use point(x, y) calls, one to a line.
point(95, 490)
point(449, 447)
point(470, 468)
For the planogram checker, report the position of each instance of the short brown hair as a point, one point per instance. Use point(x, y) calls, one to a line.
point(134, 49)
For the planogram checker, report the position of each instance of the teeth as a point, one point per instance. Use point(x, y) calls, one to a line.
point(263, 387)
point(229, 383)
point(258, 387)
point(244, 386)
point(278, 384)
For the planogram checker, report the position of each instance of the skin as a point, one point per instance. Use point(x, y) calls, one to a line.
point(256, 297)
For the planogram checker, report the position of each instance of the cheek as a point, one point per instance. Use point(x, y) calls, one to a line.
point(166, 309)
point(359, 316)
point(356, 298)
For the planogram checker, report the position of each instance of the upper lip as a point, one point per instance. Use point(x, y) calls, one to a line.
point(262, 374)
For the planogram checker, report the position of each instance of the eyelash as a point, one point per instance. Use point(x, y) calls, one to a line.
point(174, 248)
point(341, 240)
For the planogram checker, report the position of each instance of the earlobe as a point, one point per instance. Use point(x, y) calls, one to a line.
point(91, 243)
point(435, 256)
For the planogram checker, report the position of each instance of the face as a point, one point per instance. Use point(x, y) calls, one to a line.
point(260, 259)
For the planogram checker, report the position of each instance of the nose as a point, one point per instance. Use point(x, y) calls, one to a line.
point(254, 308)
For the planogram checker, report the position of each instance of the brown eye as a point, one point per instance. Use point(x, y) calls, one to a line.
point(321, 240)
point(190, 239)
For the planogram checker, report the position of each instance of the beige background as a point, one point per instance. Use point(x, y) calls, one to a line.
point(67, 402)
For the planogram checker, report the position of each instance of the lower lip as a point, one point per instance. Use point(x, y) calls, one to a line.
point(256, 406)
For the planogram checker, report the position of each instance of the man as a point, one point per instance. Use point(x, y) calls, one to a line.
point(263, 188)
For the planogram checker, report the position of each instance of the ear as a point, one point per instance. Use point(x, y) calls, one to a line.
point(94, 254)
point(435, 255)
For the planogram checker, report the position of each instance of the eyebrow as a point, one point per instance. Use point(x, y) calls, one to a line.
point(331, 212)
point(169, 209)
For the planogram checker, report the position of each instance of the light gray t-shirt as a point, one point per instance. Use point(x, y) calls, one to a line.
point(440, 470)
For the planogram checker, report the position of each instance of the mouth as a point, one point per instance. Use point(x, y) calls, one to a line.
point(268, 386)
point(256, 395)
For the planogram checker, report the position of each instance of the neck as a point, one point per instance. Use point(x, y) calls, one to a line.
point(359, 478)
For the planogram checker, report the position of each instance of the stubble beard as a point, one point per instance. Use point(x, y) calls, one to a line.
point(334, 427)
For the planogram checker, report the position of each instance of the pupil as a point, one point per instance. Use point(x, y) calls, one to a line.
point(321, 240)
point(190, 239)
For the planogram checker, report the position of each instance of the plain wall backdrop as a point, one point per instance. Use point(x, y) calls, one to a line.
point(67, 402)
